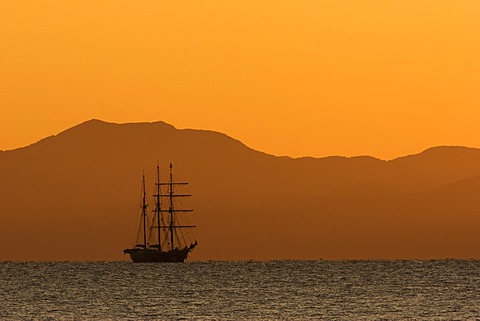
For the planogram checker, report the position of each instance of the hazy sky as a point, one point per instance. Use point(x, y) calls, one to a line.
point(336, 77)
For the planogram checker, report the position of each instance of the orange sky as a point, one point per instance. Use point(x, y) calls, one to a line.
point(384, 77)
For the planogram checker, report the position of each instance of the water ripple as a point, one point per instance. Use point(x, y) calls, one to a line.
point(277, 290)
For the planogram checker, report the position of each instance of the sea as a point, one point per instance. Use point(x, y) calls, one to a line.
point(214, 290)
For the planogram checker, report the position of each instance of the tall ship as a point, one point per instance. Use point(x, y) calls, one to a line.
point(166, 236)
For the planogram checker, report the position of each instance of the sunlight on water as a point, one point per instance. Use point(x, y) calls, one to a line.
point(277, 290)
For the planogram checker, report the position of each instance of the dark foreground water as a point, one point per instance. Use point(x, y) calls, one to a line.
point(277, 290)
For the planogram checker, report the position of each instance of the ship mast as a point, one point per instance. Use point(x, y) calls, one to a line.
point(171, 211)
point(157, 207)
point(144, 214)
point(171, 206)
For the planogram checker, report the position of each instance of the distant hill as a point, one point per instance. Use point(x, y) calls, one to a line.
point(75, 196)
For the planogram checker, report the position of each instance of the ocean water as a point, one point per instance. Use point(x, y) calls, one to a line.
point(276, 290)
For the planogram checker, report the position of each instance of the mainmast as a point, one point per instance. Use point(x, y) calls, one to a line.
point(171, 210)
point(158, 208)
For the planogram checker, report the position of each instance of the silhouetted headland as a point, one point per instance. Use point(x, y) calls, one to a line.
point(70, 197)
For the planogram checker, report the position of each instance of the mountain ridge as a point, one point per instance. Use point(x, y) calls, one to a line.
point(99, 122)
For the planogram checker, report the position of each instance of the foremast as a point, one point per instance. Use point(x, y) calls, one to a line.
point(144, 214)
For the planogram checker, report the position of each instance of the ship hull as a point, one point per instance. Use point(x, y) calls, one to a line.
point(142, 255)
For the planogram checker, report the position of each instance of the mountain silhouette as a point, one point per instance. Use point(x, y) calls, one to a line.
point(76, 196)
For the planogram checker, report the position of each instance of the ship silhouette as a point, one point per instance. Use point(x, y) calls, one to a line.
point(163, 238)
